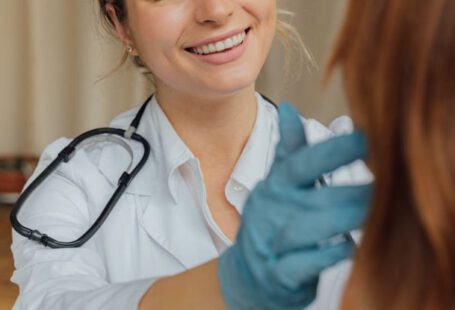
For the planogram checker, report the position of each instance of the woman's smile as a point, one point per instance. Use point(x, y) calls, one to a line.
point(220, 50)
point(202, 47)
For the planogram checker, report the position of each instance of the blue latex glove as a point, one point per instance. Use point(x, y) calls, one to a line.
point(278, 255)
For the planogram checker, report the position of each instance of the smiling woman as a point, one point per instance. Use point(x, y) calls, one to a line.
point(288, 35)
point(192, 24)
point(212, 139)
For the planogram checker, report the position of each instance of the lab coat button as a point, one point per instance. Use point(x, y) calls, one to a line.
point(237, 187)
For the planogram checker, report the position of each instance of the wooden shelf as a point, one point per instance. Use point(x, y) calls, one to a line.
point(8, 291)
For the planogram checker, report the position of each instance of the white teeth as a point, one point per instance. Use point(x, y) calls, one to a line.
point(235, 40)
point(212, 48)
point(229, 43)
point(220, 46)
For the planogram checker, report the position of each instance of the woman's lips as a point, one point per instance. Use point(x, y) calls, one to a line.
point(226, 55)
point(218, 38)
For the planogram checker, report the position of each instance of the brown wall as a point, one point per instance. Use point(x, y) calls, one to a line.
point(317, 21)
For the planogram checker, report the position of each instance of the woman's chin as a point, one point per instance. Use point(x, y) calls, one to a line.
point(229, 84)
point(212, 84)
point(227, 90)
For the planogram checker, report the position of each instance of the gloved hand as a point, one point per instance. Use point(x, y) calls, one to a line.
point(286, 236)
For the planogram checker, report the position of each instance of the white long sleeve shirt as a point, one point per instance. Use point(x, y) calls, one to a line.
point(161, 226)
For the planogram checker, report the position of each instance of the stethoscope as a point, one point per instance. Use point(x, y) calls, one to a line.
point(65, 156)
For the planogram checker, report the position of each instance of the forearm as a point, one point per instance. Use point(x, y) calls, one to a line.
point(197, 288)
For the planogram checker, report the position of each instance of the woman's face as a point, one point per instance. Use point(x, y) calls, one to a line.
point(212, 47)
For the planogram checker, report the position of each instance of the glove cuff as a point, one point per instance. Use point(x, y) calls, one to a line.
point(238, 287)
point(241, 291)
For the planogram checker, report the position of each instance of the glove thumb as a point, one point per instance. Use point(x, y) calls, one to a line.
point(292, 132)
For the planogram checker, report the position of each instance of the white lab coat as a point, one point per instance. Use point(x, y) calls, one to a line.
point(149, 234)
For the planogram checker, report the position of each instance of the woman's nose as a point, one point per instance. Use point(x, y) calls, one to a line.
point(215, 12)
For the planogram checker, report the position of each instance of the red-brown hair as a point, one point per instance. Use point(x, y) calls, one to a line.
point(398, 62)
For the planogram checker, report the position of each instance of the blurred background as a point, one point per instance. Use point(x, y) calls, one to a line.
point(52, 56)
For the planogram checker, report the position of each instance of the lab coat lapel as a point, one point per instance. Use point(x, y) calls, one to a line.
point(179, 229)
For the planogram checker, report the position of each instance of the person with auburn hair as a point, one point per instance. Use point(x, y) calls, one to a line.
point(176, 238)
point(398, 62)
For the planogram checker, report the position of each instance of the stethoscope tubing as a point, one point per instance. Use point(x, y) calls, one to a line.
point(64, 157)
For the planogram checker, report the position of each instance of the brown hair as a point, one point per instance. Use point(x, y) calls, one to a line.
point(288, 35)
point(398, 62)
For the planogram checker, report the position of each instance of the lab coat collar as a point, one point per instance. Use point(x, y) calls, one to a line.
point(257, 156)
point(173, 152)
point(168, 152)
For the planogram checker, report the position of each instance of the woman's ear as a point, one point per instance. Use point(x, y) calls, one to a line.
point(120, 27)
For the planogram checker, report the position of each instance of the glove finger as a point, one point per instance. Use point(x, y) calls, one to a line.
point(330, 197)
point(294, 270)
point(307, 164)
point(309, 229)
point(292, 133)
point(268, 204)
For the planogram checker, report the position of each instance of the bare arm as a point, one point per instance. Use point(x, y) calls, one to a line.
point(197, 288)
